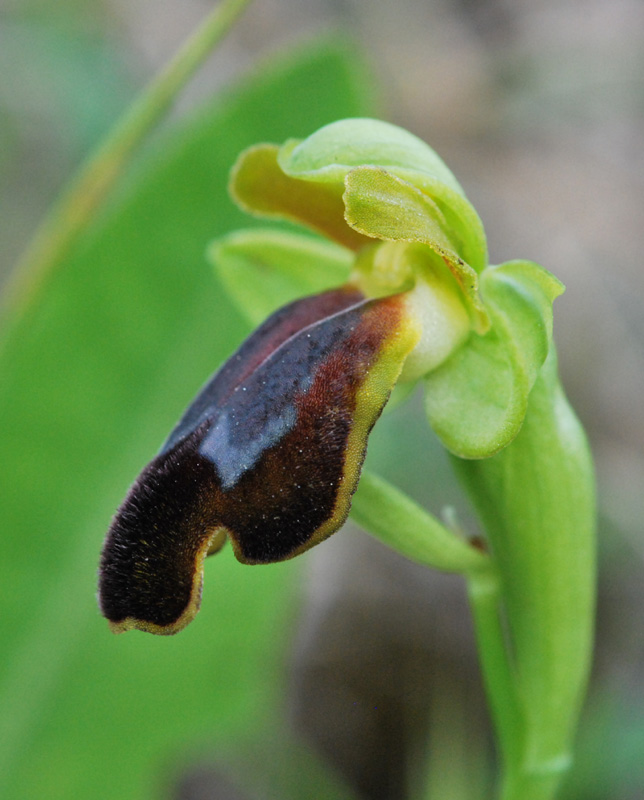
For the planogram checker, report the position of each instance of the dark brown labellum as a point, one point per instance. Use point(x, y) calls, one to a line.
point(268, 454)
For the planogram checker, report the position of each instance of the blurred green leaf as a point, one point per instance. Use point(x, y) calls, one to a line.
point(65, 74)
point(92, 380)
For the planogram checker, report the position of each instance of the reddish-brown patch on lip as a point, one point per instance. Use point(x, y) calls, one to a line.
point(273, 332)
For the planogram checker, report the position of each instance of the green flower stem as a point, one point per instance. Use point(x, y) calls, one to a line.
point(499, 675)
point(484, 592)
point(77, 204)
point(400, 523)
point(532, 786)
point(536, 501)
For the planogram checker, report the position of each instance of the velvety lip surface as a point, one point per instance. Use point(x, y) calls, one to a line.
point(269, 453)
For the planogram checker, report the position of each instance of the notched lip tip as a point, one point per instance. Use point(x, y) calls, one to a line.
point(118, 627)
point(134, 624)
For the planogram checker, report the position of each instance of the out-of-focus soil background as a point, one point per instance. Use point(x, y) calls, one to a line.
point(538, 108)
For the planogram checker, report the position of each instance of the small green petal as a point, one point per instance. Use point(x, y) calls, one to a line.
point(383, 206)
point(264, 268)
point(331, 152)
point(380, 205)
point(259, 186)
point(477, 400)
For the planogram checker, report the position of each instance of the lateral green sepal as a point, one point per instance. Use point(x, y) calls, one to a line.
point(477, 400)
point(259, 186)
point(265, 268)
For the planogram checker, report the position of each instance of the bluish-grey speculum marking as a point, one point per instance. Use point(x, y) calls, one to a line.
point(262, 410)
point(231, 455)
point(248, 419)
point(275, 331)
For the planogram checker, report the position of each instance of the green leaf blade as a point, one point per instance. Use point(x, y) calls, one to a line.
point(93, 378)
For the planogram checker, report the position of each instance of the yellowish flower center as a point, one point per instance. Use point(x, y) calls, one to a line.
point(433, 297)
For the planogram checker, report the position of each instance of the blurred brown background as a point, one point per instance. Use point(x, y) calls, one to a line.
point(538, 108)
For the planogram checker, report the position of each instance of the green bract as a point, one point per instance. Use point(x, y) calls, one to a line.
point(361, 181)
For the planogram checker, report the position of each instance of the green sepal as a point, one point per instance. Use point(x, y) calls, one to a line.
point(303, 180)
point(383, 206)
point(264, 268)
point(536, 501)
point(331, 152)
point(477, 400)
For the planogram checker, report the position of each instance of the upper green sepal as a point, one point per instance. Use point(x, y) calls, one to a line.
point(305, 180)
point(476, 401)
point(329, 153)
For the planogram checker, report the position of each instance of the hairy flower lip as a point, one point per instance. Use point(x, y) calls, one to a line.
point(270, 452)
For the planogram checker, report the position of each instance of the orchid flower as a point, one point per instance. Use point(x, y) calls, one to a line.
point(269, 453)
point(399, 291)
